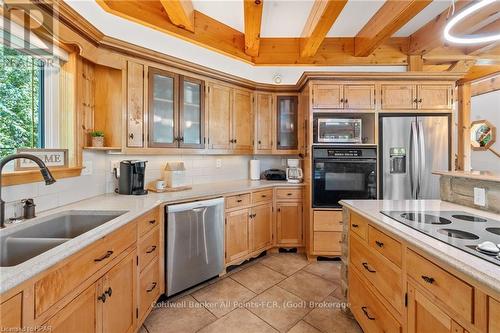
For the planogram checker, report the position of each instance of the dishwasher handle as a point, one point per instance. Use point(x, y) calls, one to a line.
point(194, 205)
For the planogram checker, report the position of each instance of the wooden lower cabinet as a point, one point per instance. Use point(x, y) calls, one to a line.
point(237, 241)
point(289, 223)
point(425, 316)
point(118, 309)
point(261, 227)
point(11, 313)
point(493, 315)
point(81, 315)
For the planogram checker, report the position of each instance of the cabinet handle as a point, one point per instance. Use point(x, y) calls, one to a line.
point(428, 279)
point(346, 101)
point(354, 225)
point(279, 209)
point(235, 140)
point(379, 243)
point(239, 200)
point(181, 139)
point(259, 142)
point(365, 311)
point(420, 100)
point(415, 100)
point(289, 194)
point(109, 292)
point(153, 286)
point(341, 100)
point(263, 196)
point(106, 256)
point(102, 298)
point(131, 136)
point(152, 222)
point(365, 265)
point(152, 249)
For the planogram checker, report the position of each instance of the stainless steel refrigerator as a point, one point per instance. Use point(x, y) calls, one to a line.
point(412, 147)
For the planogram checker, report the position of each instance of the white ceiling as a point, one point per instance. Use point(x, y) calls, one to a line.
point(286, 18)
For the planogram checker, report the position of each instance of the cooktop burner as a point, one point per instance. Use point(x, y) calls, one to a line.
point(425, 218)
point(459, 229)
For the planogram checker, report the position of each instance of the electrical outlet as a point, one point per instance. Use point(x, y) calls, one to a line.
point(114, 165)
point(218, 163)
point(479, 196)
point(88, 168)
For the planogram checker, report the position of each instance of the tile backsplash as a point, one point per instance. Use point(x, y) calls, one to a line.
point(199, 170)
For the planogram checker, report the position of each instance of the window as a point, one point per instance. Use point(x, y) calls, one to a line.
point(21, 101)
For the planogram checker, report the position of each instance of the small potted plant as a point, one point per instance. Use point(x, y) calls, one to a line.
point(97, 138)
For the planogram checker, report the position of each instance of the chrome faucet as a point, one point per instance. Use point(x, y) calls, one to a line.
point(47, 176)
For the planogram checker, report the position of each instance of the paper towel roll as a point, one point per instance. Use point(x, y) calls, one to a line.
point(254, 169)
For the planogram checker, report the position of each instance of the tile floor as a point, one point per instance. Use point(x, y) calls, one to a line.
point(280, 292)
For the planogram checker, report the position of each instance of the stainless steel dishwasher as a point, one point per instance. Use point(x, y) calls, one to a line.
point(195, 243)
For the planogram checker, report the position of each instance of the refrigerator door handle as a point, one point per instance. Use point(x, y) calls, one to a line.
point(422, 158)
point(413, 159)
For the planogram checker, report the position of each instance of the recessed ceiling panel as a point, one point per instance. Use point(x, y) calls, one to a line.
point(284, 18)
point(354, 16)
point(428, 13)
point(229, 12)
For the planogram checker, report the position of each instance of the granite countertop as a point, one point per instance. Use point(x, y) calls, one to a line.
point(134, 206)
point(482, 271)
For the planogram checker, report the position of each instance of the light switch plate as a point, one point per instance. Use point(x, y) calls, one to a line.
point(479, 196)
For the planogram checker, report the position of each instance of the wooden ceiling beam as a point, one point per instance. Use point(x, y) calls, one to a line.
point(485, 86)
point(180, 12)
point(321, 18)
point(253, 18)
point(480, 72)
point(491, 28)
point(415, 63)
point(393, 15)
point(461, 66)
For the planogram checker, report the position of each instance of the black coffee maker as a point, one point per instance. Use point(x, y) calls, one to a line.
point(131, 180)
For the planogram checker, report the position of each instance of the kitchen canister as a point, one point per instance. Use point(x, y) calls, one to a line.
point(254, 169)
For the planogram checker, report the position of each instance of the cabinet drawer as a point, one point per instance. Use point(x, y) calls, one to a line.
point(149, 287)
point(149, 248)
point(359, 226)
point(148, 221)
point(11, 313)
point(240, 200)
point(370, 313)
point(58, 283)
point(385, 245)
point(457, 294)
point(288, 193)
point(327, 220)
point(493, 317)
point(262, 196)
point(327, 241)
point(381, 273)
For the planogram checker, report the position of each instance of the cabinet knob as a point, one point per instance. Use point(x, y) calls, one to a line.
point(428, 279)
point(354, 225)
point(131, 136)
point(420, 100)
point(259, 142)
point(181, 139)
point(365, 265)
point(379, 243)
point(109, 291)
point(365, 311)
point(153, 286)
point(152, 249)
point(152, 222)
point(102, 298)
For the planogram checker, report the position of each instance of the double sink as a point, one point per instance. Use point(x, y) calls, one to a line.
point(49, 232)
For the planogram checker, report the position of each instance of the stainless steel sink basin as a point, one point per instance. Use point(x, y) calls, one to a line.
point(18, 246)
point(67, 224)
point(17, 250)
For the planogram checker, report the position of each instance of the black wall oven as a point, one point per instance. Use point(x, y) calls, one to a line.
point(343, 173)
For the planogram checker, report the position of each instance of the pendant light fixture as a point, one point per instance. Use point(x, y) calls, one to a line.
point(469, 39)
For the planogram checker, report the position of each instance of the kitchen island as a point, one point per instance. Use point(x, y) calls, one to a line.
point(399, 278)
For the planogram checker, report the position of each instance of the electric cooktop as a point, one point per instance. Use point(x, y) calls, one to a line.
point(462, 230)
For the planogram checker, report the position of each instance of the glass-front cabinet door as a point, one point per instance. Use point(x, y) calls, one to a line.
point(176, 110)
point(162, 108)
point(287, 127)
point(191, 113)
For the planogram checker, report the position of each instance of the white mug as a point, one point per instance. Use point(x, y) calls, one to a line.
point(160, 185)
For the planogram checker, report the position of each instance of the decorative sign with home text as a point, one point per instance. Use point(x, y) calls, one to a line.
point(53, 158)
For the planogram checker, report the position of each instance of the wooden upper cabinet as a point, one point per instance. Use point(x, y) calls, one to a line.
point(359, 96)
point(11, 313)
point(176, 110)
point(289, 223)
point(493, 317)
point(264, 122)
point(78, 316)
point(327, 96)
point(287, 127)
point(135, 105)
point(425, 316)
point(118, 310)
point(261, 226)
point(242, 120)
point(219, 116)
point(237, 238)
point(399, 97)
point(434, 97)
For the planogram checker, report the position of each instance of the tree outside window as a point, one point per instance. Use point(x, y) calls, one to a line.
point(21, 101)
